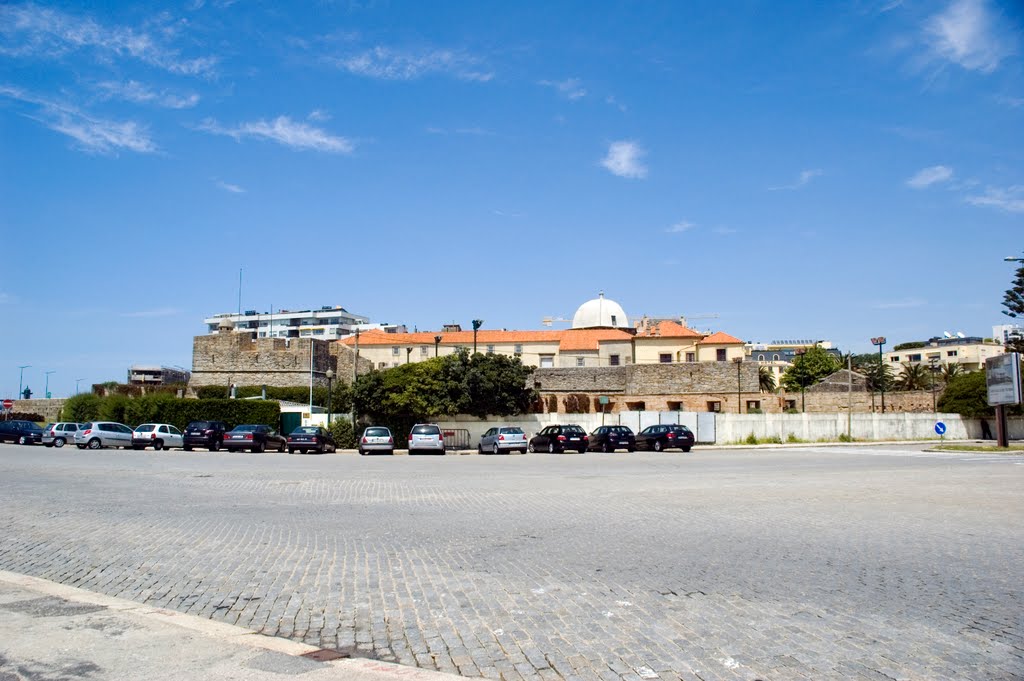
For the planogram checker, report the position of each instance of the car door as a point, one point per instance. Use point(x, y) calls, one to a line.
point(487, 439)
point(171, 436)
point(643, 438)
point(123, 434)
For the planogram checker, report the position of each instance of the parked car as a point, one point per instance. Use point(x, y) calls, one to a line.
point(255, 437)
point(664, 437)
point(22, 432)
point(208, 434)
point(426, 437)
point(97, 434)
point(376, 439)
point(557, 439)
point(610, 438)
point(158, 435)
point(503, 439)
point(307, 438)
point(59, 434)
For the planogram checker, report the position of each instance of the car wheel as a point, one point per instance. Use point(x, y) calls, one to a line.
point(686, 449)
point(479, 449)
point(158, 445)
point(59, 442)
point(260, 448)
point(281, 448)
point(22, 440)
point(137, 447)
point(412, 452)
point(606, 448)
point(631, 449)
point(291, 451)
point(494, 449)
point(186, 448)
point(95, 443)
point(361, 452)
point(551, 448)
point(530, 448)
point(80, 446)
point(522, 451)
point(657, 445)
point(215, 446)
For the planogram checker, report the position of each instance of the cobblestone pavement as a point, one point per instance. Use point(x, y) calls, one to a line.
point(823, 563)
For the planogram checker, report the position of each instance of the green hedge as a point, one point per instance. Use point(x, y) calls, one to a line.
point(163, 408)
point(341, 400)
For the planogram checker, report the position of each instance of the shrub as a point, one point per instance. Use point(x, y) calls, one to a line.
point(112, 408)
point(81, 408)
point(843, 437)
point(754, 411)
point(212, 392)
point(792, 410)
point(343, 433)
point(751, 439)
point(773, 439)
point(793, 439)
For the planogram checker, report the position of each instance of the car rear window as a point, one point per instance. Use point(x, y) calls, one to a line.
point(573, 429)
point(305, 430)
point(145, 428)
point(377, 432)
point(246, 429)
point(622, 429)
point(511, 431)
point(426, 430)
point(201, 425)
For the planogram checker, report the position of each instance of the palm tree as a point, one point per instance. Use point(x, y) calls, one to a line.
point(951, 371)
point(914, 377)
point(766, 379)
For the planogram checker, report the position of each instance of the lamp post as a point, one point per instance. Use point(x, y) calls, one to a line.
point(77, 381)
point(330, 404)
point(739, 391)
point(477, 323)
point(408, 354)
point(46, 388)
point(21, 374)
point(880, 341)
point(355, 375)
point(933, 361)
point(437, 344)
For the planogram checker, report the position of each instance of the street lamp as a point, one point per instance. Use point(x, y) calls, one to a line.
point(933, 361)
point(330, 405)
point(21, 373)
point(77, 381)
point(408, 354)
point(880, 341)
point(477, 323)
point(437, 344)
point(46, 389)
point(739, 392)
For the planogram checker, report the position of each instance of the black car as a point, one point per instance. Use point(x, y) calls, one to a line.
point(555, 439)
point(311, 438)
point(254, 437)
point(664, 437)
point(610, 438)
point(208, 434)
point(22, 432)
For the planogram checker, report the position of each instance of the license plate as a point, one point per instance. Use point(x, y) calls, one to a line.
point(573, 439)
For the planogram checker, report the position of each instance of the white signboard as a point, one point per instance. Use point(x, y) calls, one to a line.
point(1002, 374)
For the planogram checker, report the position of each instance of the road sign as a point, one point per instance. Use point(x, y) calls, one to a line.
point(7, 404)
point(940, 428)
point(1002, 377)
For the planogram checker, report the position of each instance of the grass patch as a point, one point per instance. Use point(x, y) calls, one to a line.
point(1012, 449)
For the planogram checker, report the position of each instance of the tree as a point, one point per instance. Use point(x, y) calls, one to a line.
point(809, 368)
point(766, 380)
point(914, 377)
point(966, 395)
point(1013, 301)
point(81, 408)
point(951, 371)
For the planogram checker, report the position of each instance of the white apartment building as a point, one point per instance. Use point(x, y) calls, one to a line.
point(325, 323)
point(1002, 333)
point(970, 352)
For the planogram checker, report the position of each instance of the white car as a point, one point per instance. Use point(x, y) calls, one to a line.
point(158, 435)
point(97, 434)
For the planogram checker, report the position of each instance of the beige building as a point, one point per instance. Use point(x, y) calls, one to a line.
point(969, 352)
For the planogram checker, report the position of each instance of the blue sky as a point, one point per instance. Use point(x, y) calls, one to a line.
point(801, 169)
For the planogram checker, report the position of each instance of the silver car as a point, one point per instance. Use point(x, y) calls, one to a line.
point(97, 434)
point(157, 435)
point(59, 434)
point(426, 437)
point(502, 440)
point(376, 439)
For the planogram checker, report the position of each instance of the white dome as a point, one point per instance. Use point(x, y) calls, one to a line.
point(599, 313)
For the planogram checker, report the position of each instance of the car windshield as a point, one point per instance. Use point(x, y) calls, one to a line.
point(426, 430)
point(145, 428)
point(377, 432)
point(511, 431)
point(246, 429)
point(306, 430)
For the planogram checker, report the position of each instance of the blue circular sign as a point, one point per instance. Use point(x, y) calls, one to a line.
point(940, 427)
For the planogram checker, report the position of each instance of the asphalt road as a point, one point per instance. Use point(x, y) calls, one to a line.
point(817, 563)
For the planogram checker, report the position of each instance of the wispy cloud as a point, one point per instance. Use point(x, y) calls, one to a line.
point(570, 88)
point(926, 177)
point(319, 115)
point(969, 33)
point(134, 91)
point(1009, 199)
point(624, 159)
point(392, 64)
point(284, 131)
point(612, 101)
point(680, 227)
point(157, 312)
point(94, 135)
point(805, 177)
point(900, 304)
point(31, 31)
point(228, 187)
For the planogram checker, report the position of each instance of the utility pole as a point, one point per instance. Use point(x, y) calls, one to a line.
point(355, 375)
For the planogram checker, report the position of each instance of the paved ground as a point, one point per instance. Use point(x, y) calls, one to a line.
point(814, 563)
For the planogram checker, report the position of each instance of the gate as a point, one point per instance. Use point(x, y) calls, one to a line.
point(290, 420)
point(455, 438)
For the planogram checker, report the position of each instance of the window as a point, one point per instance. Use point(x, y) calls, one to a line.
point(775, 358)
point(691, 357)
point(580, 361)
point(894, 358)
point(613, 321)
point(381, 365)
point(547, 361)
point(753, 404)
point(715, 406)
point(423, 350)
point(395, 350)
point(318, 332)
point(665, 358)
point(490, 349)
point(675, 406)
point(790, 404)
point(720, 354)
point(951, 353)
point(613, 360)
point(914, 358)
point(760, 358)
point(517, 349)
point(636, 406)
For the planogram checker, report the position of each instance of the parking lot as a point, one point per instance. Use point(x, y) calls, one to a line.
point(817, 563)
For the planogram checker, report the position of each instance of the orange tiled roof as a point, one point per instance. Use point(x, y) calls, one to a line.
point(588, 339)
point(720, 338)
point(568, 339)
point(668, 329)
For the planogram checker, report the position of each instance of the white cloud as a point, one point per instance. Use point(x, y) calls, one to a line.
point(969, 34)
point(228, 187)
point(570, 88)
point(134, 91)
point(285, 131)
point(926, 177)
point(805, 177)
point(623, 159)
point(32, 31)
point(1010, 199)
point(95, 135)
point(681, 226)
point(319, 115)
point(391, 64)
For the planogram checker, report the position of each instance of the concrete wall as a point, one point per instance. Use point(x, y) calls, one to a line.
point(49, 409)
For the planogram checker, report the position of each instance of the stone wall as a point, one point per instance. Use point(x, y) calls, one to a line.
point(344, 356)
point(48, 409)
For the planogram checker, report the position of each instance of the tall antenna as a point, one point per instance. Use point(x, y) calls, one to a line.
point(239, 291)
